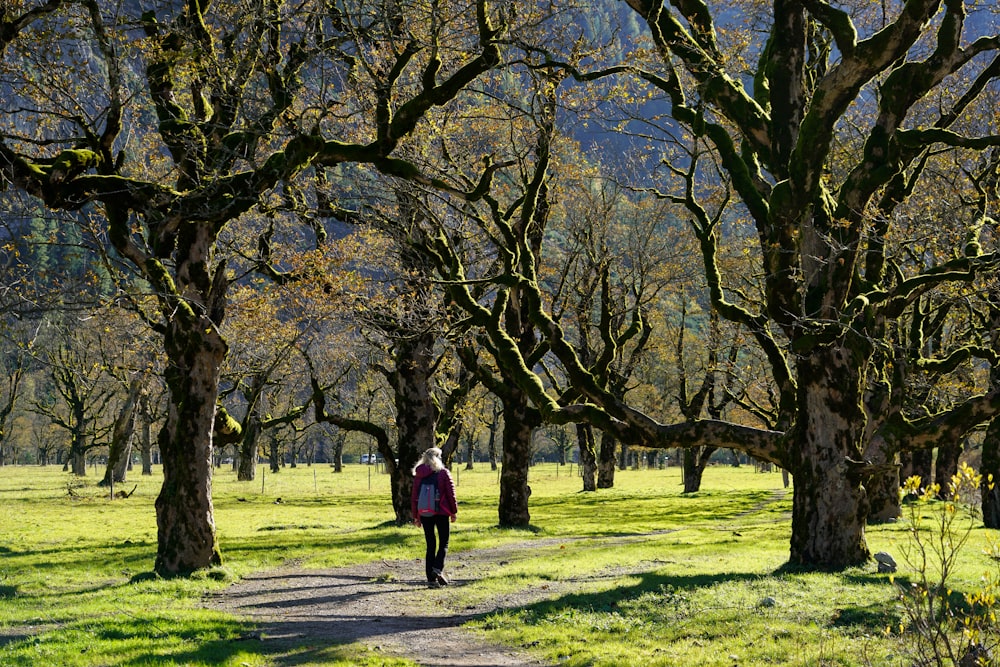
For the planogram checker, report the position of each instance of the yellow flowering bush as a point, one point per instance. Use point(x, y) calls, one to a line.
point(940, 626)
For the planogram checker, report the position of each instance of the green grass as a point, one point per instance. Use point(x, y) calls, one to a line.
point(647, 575)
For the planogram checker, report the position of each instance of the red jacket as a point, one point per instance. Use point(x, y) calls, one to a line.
point(446, 487)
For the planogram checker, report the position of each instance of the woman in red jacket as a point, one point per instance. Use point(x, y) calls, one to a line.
point(447, 507)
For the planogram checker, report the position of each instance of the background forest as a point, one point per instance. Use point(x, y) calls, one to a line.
point(240, 231)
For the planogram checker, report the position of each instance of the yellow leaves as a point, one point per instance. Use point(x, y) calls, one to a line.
point(911, 487)
point(966, 479)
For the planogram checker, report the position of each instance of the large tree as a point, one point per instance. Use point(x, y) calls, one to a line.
point(228, 103)
point(828, 218)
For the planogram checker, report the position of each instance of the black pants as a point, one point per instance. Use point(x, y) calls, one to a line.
point(436, 549)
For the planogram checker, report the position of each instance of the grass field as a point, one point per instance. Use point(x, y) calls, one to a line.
point(665, 579)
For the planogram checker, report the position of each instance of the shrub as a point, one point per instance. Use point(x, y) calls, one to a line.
point(940, 626)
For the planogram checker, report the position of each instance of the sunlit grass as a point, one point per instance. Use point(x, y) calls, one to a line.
point(640, 574)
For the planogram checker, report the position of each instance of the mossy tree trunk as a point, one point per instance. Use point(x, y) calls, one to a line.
point(829, 504)
point(919, 463)
point(520, 420)
point(493, 426)
point(146, 434)
point(416, 417)
point(470, 450)
point(184, 510)
point(195, 349)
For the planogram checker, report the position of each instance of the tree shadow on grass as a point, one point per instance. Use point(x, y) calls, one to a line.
point(649, 582)
point(866, 618)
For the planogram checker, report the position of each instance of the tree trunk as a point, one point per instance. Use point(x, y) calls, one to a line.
point(451, 442)
point(273, 455)
point(146, 439)
point(491, 445)
point(121, 436)
point(588, 456)
point(606, 462)
point(248, 449)
point(882, 488)
point(695, 459)
point(946, 467)
point(470, 451)
point(338, 452)
point(917, 464)
point(519, 423)
point(829, 505)
point(78, 460)
point(253, 428)
point(883, 495)
point(990, 470)
point(416, 418)
point(195, 350)
point(184, 511)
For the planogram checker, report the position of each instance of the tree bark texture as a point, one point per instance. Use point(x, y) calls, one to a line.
point(273, 456)
point(338, 452)
point(829, 505)
point(253, 428)
point(470, 451)
point(195, 349)
point(519, 424)
point(184, 511)
point(416, 417)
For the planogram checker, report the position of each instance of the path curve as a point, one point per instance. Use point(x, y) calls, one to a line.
point(387, 606)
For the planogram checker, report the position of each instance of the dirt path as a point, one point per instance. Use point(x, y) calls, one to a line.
point(387, 606)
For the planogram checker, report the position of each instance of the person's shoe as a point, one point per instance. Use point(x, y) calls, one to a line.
point(433, 584)
point(441, 581)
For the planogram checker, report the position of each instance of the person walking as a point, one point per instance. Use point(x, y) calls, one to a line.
point(443, 515)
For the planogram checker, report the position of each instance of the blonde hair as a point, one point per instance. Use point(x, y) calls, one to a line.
point(430, 458)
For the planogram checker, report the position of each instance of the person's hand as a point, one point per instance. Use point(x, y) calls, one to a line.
point(453, 518)
point(416, 522)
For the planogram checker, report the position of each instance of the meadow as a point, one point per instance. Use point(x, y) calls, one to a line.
point(658, 577)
